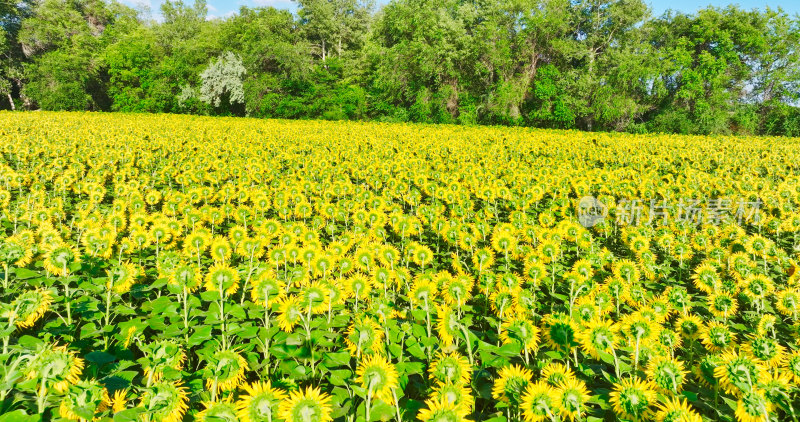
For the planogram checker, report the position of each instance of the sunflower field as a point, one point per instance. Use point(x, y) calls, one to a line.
point(178, 268)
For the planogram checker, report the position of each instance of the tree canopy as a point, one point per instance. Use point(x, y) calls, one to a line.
point(585, 64)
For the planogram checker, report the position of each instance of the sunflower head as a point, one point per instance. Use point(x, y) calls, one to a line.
point(521, 331)
point(260, 403)
point(56, 366)
point(218, 411)
point(560, 332)
point(717, 337)
point(168, 401)
point(441, 409)
point(511, 383)
point(377, 375)
point(539, 402)
point(667, 373)
point(225, 370)
point(311, 405)
point(222, 278)
point(676, 410)
point(450, 368)
point(572, 396)
point(753, 406)
point(738, 373)
point(83, 401)
point(599, 335)
point(633, 398)
point(60, 260)
point(30, 306)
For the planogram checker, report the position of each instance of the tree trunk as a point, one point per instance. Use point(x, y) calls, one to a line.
point(11, 101)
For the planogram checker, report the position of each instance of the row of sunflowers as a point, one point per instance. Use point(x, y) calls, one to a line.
point(171, 268)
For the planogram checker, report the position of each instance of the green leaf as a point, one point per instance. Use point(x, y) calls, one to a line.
point(24, 273)
point(100, 357)
point(201, 334)
point(29, 342)
point(19, 416)
point(332, 359)
point(295, 339)
point(127, 415)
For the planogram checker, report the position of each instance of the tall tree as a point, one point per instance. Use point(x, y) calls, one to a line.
point(335, 25)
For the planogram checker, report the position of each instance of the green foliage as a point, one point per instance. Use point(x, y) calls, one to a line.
point(589, 64)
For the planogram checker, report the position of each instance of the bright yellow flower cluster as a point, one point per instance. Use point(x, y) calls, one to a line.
point(311, 271)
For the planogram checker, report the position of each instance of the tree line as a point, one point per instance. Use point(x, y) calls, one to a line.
point(585, 64)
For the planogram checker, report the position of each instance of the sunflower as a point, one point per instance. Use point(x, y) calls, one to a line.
point(311, 405)
point(266, 288)
point(83, 401)
point(458, 394)
point(166, 401)
point(571, 398)
point(289, 313)
point(363, 336)
point(626, 270)
point(123, 276)
point(766, 350)
point(511, 383)
point(706, 368)
point(753, 406)
point(57, 366)
point(376, 374)
point(793, 366)
point(442, 410)
point(119, 401)
point(225, 370)
point(737, 371)
point(597, 336)
point(261, 402)
point(458, 290)
point(218, 411)
point(196, 242)
point(162, 355)
point(31, 306)
point(560, 332)
point(447, 325)
point(722, 305)
point(314, 297)
point(15, 251)
point(767, 325)
point(638, 329)
point(186, 275)
point(633, 398)
point(676, 409)
point(521, 331)
point(502, 301)
point(555, 374)
point(776, 385)
point(706, 278)
point(221, 277)
point(717, 337)
point(690, 327)
point(668, 374)
point(220, 250)
point(788, 302)
point(58, 260)
point(757, 286)
point(450, 368)
point(358, 287)
point(539, 402)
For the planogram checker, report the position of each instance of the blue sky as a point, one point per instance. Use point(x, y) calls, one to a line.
point(219, 8)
